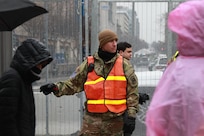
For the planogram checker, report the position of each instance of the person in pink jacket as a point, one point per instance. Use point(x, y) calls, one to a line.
point(177, 105)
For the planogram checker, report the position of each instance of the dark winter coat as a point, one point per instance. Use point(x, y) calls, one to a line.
point(17, 107)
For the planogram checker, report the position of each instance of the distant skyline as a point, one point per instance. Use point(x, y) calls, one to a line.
point(151, 18)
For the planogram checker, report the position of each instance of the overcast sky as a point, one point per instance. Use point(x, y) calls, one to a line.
point(151, 18)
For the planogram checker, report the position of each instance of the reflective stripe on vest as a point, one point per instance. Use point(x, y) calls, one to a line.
point(175, 55)
point(102, 101)
point(106, 94)
point(119, 78)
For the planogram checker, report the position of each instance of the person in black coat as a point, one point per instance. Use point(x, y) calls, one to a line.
point(17, 107)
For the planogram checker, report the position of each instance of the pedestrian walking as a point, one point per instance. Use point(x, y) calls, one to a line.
point(17, 107)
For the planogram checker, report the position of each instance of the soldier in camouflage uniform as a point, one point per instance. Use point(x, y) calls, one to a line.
point(107, 120)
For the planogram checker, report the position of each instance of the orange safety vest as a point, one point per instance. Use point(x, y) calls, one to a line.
point(106, 94)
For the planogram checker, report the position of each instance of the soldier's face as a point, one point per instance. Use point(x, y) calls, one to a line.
point(127, 53)
point(110, 46)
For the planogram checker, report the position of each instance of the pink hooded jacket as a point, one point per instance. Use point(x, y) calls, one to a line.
point(177, 106)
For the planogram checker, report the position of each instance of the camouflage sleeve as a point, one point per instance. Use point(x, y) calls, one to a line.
point(74, 84)
point(132, 89)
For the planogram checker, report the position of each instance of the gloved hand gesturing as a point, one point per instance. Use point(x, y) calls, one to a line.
point(129, 124)
point(48, 88)
point(143, 97)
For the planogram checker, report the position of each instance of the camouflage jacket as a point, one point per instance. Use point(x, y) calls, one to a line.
point(76, 83)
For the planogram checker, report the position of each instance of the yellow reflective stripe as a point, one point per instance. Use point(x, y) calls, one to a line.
point(175, 55)
point(113, 102)
point(94, 82)
point(95, 101)
point(119, 78)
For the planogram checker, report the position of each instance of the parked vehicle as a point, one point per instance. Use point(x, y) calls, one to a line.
point(152, 64)
point(142, 61)
point(161, 63)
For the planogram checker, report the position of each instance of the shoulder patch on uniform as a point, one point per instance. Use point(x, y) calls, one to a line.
point(133, 81)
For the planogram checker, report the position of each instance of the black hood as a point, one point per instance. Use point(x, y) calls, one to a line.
point(28, 55)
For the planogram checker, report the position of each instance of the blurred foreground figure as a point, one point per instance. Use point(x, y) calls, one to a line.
point(17, 107)
point(177, 106)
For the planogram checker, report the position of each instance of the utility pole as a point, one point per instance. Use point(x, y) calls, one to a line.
point(5, 50)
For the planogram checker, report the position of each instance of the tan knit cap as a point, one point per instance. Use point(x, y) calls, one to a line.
point(106, 36)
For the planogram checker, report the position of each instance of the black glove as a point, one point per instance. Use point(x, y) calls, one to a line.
point(48, 88)
point(143, 97)
point(129, 124)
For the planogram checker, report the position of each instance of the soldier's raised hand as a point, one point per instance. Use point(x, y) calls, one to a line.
point(48, 88)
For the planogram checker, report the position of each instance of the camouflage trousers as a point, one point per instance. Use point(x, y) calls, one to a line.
point(98, 125)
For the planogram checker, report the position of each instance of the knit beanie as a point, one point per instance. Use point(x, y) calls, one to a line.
point(106, 36)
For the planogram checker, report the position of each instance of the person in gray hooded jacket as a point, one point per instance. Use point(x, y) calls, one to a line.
point(17, 107)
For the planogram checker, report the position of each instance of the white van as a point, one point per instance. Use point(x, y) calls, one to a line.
point(161, 63)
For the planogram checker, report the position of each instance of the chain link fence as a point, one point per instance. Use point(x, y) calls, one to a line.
point(70, 32)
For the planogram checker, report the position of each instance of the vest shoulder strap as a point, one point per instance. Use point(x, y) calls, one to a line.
point(90, 60)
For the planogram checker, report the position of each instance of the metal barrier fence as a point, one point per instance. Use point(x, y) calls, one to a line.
point(62, 117)
point(70, 32)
